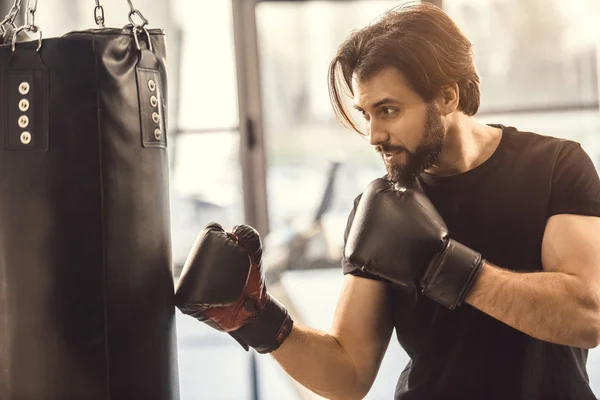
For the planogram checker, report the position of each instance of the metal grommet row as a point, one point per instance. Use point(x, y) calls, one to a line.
point(155, 115)
point(24, 88)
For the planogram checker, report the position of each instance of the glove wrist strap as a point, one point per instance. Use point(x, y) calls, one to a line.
point(268, 330)
point(450, 276)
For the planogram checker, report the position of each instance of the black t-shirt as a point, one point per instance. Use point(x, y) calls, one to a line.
point(499, 209)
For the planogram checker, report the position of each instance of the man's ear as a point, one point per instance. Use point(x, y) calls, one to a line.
point(448, 99)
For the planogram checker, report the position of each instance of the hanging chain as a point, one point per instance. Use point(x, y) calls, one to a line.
point(99, 14)
point(138, 28)
point(30, 16)
point(136, 12)
point(30, 25)
point(12, 14)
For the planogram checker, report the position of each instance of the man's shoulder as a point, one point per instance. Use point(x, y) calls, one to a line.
point(535, 145)
point(536, 138)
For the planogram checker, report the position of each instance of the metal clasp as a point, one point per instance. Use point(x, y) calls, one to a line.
point(30, 28)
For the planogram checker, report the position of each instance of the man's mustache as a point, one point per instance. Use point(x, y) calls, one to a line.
point(390, 149)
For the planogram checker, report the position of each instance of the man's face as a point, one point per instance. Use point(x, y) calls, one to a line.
point(406, 131)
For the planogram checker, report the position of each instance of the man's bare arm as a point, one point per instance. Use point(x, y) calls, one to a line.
point(342, 363)
point(562, 303)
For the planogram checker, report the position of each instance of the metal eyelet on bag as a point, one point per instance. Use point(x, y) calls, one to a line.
point(157, 134)
point(24, 88)
point(151, 85)
point(153, 101)
point(155, 118)
point(25, 137)
point(24, 105)
point(23, 121)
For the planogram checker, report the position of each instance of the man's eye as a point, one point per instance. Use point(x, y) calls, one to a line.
point(388, 111)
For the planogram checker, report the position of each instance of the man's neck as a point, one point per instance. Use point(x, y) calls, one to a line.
point(467, 145)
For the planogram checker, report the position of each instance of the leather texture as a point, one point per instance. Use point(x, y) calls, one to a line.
point(86, 286)
point(222, 285)
point(268, 330)
point(451, 274)
point(398, 234)
point(395, 233)
point(215, 272)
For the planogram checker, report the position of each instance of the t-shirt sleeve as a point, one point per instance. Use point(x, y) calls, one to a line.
point(347, 267)
point(575, 183)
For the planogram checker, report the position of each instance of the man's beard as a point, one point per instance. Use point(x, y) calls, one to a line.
point(425, 156)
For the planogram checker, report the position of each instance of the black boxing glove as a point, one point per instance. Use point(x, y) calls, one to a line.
point(222, 285)
point(398, 234)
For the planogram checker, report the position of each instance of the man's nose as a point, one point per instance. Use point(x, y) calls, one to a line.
point(377, 133)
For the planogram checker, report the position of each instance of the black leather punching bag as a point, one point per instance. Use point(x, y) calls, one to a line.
point(86, 286)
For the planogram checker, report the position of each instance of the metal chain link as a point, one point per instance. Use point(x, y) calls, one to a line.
point(99, 14)
point(136, 12)
point(30, 15)
point(12, 14)
point(30, 25)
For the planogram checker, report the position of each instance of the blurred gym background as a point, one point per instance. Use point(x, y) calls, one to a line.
point(253, 138)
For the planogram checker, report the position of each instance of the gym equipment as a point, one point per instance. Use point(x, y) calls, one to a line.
point(86, 286)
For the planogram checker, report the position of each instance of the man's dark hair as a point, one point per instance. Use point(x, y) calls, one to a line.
point(422, 42)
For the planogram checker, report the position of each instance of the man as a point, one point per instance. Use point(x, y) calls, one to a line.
point(480, 247)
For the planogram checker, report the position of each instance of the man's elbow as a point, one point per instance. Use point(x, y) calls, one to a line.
point(590, 337)
point(362, 392)
point(358, 394)
point(355, 392)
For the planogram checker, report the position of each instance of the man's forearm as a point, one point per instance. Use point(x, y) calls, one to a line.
point(317, 361)
point(550, 306)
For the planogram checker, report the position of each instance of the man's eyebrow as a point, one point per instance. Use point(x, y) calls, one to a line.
point(380, 102)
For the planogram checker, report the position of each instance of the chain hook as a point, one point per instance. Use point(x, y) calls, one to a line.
point(135, 12)
point(138, 28)
point(34, 29)
point(29, 26)
point(143, 20)
point(137, 41)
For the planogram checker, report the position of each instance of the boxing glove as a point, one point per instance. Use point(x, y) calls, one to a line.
point(222, 285)
point(398, 234)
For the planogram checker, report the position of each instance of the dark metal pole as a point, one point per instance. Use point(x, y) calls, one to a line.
point(254, 377)
point(252, 143)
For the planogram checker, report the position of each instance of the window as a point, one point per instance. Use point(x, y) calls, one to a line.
point(296, 43)
point(539, 62)
point(206, 181)
point(533, 54)
point(305, 143)
point(208, 86)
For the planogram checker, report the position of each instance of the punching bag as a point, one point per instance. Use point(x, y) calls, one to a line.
point(86, 284)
